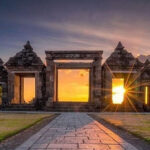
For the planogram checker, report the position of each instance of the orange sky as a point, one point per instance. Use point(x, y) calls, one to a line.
point(73, 85)
point(29, 89)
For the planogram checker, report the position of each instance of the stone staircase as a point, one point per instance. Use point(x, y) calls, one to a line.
point(73, 107)
point(56, 107)
point(19, 107)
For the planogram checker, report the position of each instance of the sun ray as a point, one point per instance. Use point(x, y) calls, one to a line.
point(110, 70)
point(131, 104)
point(134, 108)
point(135, 78)
point(116, 108)
point(109, 105)
point(129, 74)
point(138, 85)
point(134, 97)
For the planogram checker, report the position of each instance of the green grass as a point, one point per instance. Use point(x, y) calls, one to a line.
point(137, 124)
point(11, 124)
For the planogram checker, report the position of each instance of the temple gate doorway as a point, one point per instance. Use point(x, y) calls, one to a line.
point(24, 88)
point(73, 85)
point(74, 60)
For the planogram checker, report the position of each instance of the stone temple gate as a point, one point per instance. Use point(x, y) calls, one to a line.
point(25, 64)
point(111, 84)
point(94, 70)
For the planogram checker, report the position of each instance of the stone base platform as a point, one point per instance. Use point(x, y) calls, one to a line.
point(73, 107)
point(19, 107)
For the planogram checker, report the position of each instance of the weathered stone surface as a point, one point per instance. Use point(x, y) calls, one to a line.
point(73, 54)
point(94, 67)
point(25, 63)
point(120, 64)
point(121, 59)
point(3, 72)
point(1, 62)
point(26, 58)
point(145, 71)
point(3, 82)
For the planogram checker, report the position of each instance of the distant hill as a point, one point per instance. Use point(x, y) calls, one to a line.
point(143, 58)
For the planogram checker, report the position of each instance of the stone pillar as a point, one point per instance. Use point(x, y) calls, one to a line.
point(10, 86)
point(97, 81)
point(38, 86)
point(17, 89)
point(50, 81)
point(4, 93)
point(91, 85)
point(22, 89)
point(1, 93)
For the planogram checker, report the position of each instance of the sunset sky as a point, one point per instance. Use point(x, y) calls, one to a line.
point(74, 24)
point(73, 85)
point(29, 89)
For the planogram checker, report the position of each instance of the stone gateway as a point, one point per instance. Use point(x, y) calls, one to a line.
point(121, 83)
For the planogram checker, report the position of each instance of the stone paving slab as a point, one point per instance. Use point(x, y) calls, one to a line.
point(75, 131)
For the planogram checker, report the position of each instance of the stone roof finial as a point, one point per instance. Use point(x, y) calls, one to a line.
point(119, 46)
point(147, 62)
point(28, 46)
point(1, 62)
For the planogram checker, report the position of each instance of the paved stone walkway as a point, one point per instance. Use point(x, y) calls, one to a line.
point(72, 131)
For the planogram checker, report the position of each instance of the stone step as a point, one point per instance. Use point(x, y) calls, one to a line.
point(73, 110)
point(65, 110)
point(19, 107)
point(72, 104)
point(16, 109)
point(73, 107)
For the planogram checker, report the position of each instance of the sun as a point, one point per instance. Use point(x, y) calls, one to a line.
point(118, 94)
point(118, 91)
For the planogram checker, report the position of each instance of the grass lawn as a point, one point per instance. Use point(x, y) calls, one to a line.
point(11, 123)
point(137, 124)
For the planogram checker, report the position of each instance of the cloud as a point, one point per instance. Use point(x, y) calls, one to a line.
point(135, 37)
point(75, 25)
